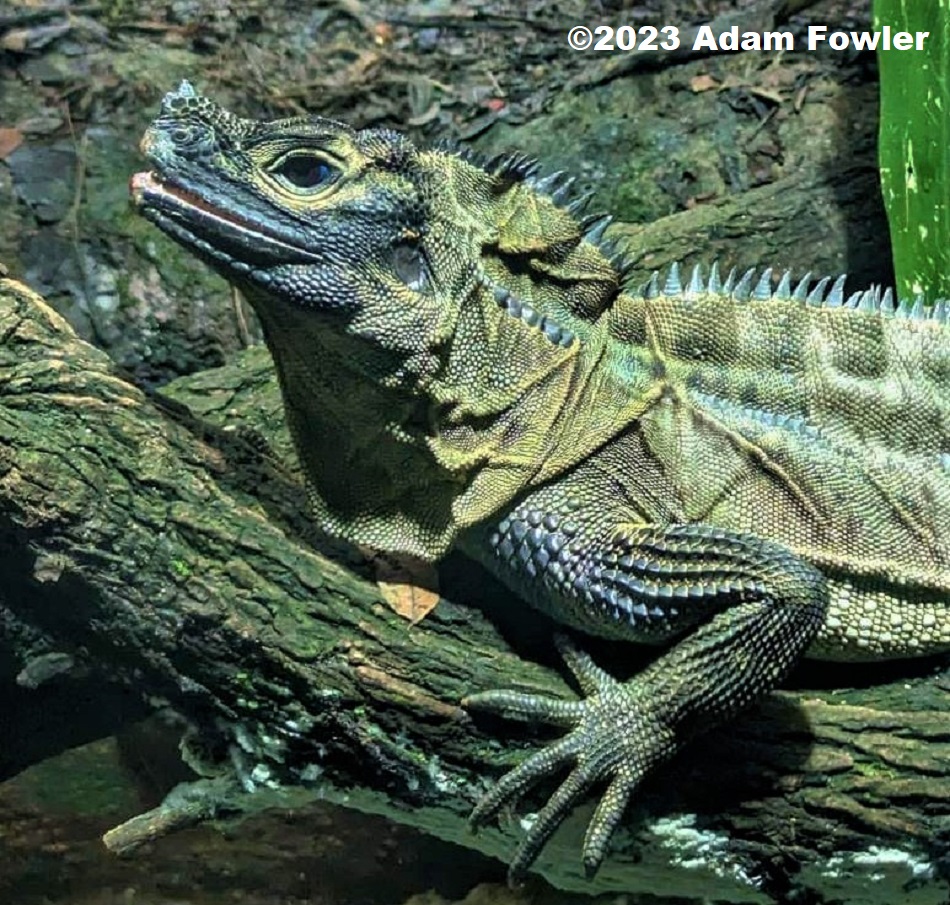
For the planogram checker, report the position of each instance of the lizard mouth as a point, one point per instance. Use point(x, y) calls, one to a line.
point(190, 218)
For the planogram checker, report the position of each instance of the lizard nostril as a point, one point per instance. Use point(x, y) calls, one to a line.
point(192, 137)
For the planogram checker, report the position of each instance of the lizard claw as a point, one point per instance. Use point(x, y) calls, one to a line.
point(616, 736)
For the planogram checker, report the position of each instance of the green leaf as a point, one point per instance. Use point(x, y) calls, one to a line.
point(914, 145)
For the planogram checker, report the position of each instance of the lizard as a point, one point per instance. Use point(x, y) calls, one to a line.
point(739, 473)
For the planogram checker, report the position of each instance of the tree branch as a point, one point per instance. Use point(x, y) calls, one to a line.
point(173, 555)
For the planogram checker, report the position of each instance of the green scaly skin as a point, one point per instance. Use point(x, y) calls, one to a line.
point(743, 475)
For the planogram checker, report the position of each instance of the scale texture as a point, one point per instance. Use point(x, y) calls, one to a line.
point(739, 470)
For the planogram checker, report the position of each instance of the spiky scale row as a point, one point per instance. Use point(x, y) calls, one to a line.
point(594, 226)
point(514, 166)
point(558, 186)
point(510, 166)
point(513, 306)
point(750, 287)
point(552, 182)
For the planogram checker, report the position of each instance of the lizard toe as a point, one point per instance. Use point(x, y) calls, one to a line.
point(609, 813)
point(616, 735)
point(526, 707)
point(590, 677)
point(517, 781)
point(546, 822)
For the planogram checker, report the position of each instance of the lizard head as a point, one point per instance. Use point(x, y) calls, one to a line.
point(304, 211)
point(425, 309)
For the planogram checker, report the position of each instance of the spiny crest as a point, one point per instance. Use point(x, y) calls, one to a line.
point(559, 187)
point(513, 167)
point(509, 166)
point(517, 308)
point(751, 286)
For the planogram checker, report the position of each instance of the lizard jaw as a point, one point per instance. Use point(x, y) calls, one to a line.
point(195, 222)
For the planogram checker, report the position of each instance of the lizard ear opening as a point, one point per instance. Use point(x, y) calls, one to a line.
point(410, 267)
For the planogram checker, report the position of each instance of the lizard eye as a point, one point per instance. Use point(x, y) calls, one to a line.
point(303, 171)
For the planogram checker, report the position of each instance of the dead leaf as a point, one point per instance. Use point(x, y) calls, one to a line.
point(49, 568)
point(10, 140)
point(766, 95)
point(408, 600)
point(409, 586)
point(701, 83)
point(15, 40)
point(800, 98)
point(426, 116)
point(382, 33)
point(33, 37)
point(45, 123)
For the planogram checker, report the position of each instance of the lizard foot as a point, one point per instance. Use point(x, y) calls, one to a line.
point(617, 735)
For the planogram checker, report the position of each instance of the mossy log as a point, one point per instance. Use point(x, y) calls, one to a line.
point(837, 215)
point(155, 545)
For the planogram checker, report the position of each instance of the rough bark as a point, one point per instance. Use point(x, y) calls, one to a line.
point(175, 557)
point(837, 215)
